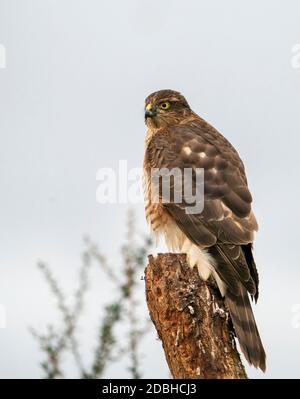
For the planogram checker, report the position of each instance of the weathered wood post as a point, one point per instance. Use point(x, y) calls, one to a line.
point(191, 320)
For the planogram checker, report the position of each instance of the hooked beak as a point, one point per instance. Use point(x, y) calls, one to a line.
point(150, 112)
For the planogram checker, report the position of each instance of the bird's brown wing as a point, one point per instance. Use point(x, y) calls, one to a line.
point(227, 201)
point(226, 220)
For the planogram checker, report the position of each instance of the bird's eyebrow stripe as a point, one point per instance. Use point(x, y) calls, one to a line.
point(168, 99)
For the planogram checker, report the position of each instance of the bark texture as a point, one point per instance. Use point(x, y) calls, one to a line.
point(191, 320)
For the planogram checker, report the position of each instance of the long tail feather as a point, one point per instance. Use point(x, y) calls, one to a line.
point(245, 328)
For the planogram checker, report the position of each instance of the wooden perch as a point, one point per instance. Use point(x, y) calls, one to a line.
point(191, 320)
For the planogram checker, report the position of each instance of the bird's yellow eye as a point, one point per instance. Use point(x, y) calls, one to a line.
point(165, 105)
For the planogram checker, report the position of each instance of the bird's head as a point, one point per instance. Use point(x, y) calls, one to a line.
point(165, 108)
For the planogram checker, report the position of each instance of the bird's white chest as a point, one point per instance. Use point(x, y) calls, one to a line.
point(178, 242)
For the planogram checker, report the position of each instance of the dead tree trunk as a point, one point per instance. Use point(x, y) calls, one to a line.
point(191, 320)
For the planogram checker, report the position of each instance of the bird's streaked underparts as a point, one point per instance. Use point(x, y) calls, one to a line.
point(218, 239)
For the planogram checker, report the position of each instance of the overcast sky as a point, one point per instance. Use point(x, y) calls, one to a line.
point(71, 101)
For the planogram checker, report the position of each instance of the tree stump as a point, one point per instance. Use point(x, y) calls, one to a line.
point(191, 320)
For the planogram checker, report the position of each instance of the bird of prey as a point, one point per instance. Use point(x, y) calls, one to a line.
point(218, 240)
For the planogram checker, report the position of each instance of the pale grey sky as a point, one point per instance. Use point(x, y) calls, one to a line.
point(71, 100)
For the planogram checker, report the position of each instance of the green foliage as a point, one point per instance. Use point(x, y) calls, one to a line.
point(121, 313)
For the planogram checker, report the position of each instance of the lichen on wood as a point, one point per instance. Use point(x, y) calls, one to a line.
point(191, 320)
